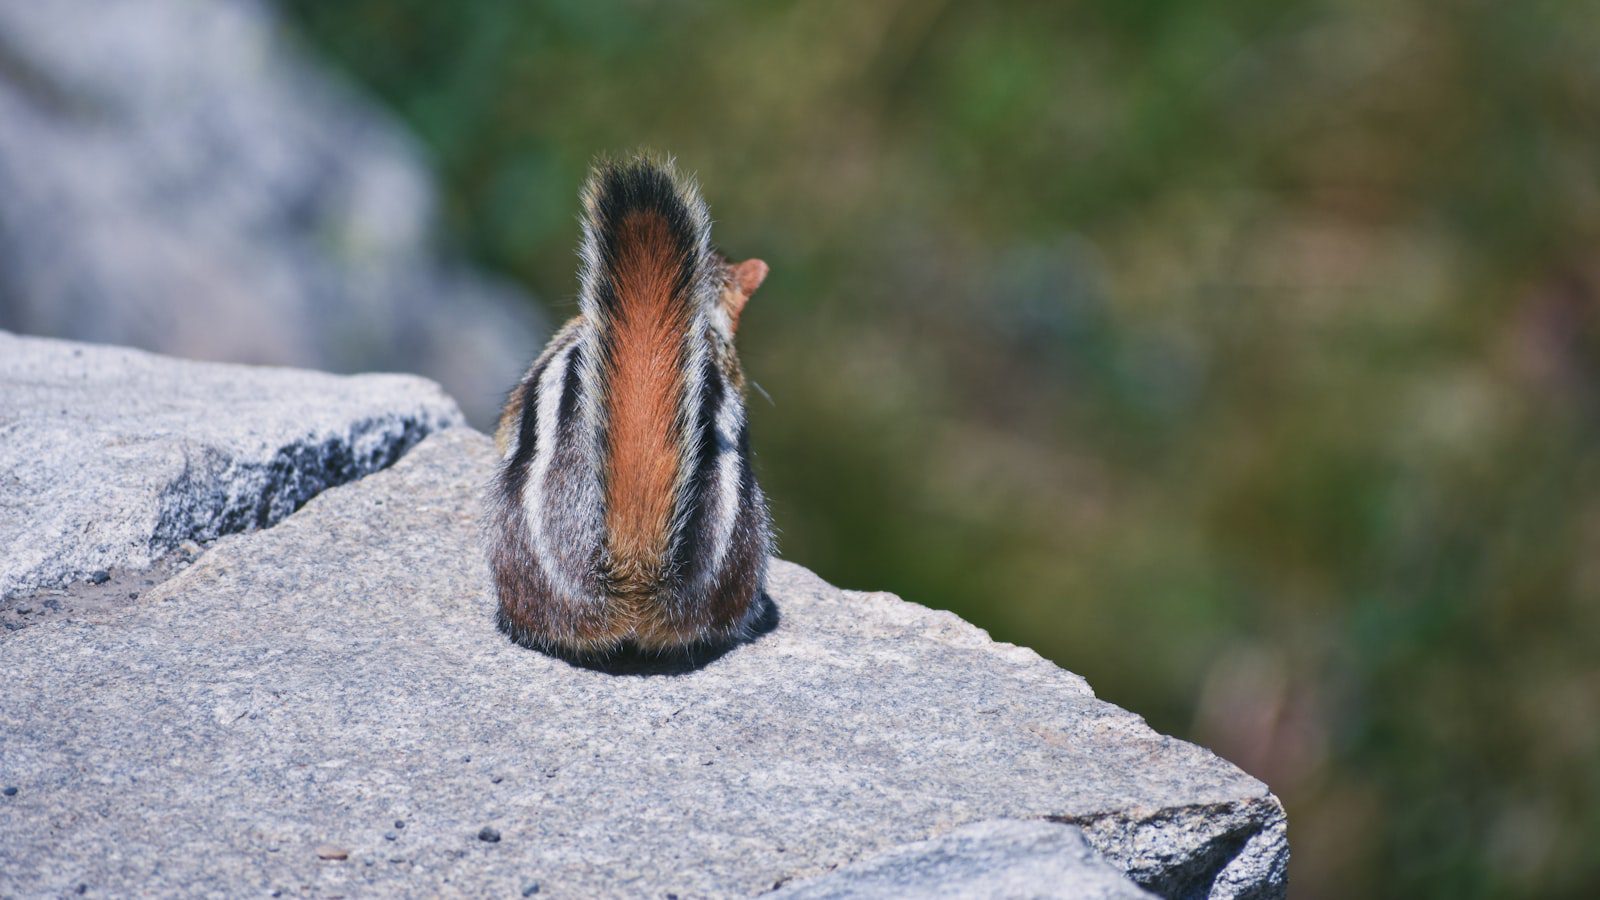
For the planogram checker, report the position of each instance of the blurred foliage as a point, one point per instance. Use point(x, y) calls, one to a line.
point(1242, 356)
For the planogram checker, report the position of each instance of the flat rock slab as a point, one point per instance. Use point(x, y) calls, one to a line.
point(111, 457)
point(999, 860)
point(325, 707)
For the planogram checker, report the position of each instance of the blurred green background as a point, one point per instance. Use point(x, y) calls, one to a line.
point(1243, 357)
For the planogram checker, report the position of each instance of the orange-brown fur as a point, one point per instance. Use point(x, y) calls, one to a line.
point(645, 389)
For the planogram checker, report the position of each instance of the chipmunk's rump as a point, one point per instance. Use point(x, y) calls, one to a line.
point(626, 510)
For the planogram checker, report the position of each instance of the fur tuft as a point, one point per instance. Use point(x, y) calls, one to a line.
point(648, 294)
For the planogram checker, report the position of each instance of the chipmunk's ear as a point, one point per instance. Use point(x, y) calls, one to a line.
point(743, 279)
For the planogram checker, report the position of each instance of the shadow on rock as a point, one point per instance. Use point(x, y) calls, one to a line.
point(633, 660)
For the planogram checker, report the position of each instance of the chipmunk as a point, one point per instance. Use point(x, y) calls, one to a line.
point(625, 511)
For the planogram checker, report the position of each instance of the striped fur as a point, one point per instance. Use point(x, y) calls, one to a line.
point(625, 510)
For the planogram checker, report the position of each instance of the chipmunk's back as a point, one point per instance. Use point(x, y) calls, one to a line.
point(626, 509)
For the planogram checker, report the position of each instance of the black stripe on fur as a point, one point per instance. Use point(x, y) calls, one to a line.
point(619, 190)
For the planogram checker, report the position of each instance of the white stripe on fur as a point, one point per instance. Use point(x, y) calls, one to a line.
point(547, 412)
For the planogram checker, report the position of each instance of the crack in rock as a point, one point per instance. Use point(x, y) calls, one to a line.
point(1212, 851)
point(113, 458)
point(218, 495)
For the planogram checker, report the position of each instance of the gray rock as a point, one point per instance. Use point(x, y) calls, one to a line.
point(314, 684)
point(999, 859)
point(175, 176)
point(111, 457)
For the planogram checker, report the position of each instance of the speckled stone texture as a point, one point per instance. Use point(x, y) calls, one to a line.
point(998, 860)
point(325, 707)
point(111, 457)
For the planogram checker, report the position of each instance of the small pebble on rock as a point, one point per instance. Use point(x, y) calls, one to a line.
point(399, 823)
point(10, 790)
point(329, 851)
point(497, 779)
point(389, 836)
point(100, 577)
point(489, 835)
point(133, 595)
point(531, 889)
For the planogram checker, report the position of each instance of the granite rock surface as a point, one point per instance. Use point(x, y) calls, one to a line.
point(325, 707)
point(1003, 859)
point(110, 457)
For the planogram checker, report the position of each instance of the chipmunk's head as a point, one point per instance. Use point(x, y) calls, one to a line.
point(739, 281)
